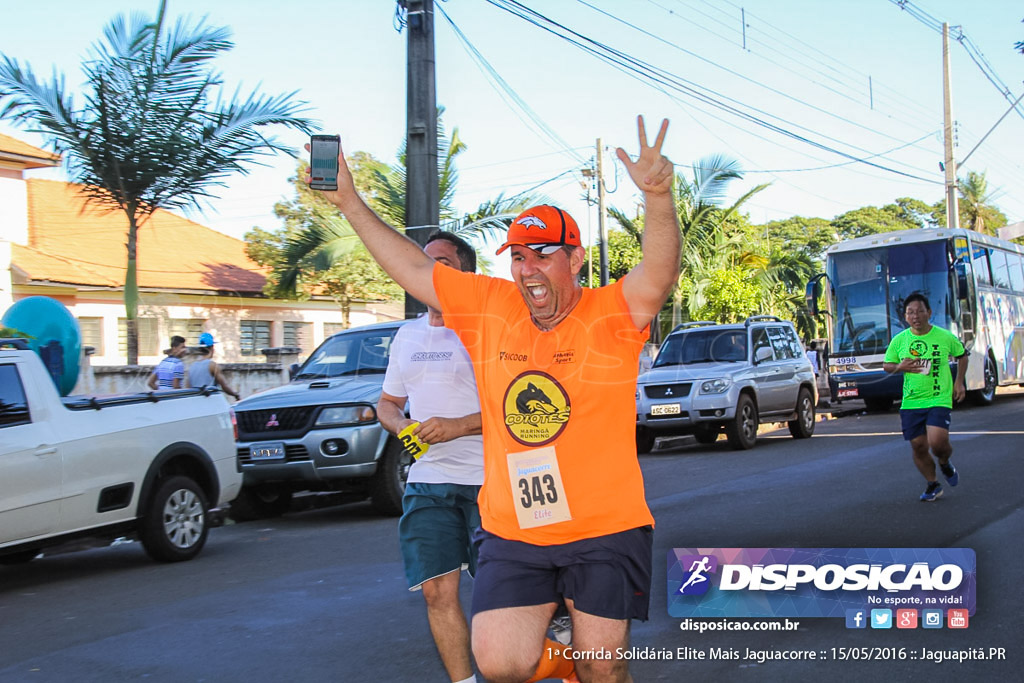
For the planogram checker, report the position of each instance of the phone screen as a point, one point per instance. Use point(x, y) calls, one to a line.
point(323, 162)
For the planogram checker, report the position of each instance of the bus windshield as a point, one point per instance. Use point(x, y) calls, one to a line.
point(870, 288)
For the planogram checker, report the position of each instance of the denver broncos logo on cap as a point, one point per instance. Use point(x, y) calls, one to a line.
point(532, 221)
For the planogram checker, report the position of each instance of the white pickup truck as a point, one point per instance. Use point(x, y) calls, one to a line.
point(150, 465)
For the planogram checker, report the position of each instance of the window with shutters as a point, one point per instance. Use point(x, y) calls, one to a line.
point(253, 336)
point(149, 337)
point(92, 333)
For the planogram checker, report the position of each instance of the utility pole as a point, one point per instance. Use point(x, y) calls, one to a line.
point(422, 213)
point(952, 209)
point(601, 230)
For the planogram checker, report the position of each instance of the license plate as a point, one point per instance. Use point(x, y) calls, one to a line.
point(848, 393)
point(266, 451)
point(666, 409)
point(844, 360)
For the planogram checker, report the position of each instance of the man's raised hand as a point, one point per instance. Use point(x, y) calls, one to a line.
point(652, 172)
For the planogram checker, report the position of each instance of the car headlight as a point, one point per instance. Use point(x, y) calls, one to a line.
point(715, 386)
point(336, 416)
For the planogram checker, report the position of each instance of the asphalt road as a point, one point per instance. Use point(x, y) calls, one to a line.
point(320, 595)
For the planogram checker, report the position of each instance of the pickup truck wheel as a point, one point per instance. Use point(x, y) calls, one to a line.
point(260, 502)
point(644, 440)
point(742, 430)
point(174, 525)
point(388, 485)
point(803, 426)
point(705, 434)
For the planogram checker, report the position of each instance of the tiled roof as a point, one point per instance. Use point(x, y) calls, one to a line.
point(74, 243)
point(15, 149)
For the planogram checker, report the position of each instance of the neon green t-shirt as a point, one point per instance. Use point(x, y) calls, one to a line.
point(932, 387)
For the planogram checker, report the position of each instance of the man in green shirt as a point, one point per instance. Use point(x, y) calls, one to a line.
point(922, 354)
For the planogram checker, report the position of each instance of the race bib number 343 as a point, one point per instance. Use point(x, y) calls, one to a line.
point(537, 490)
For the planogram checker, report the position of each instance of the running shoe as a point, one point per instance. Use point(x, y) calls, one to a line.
point(950, 473)
point(933, 491)
point(561, 629)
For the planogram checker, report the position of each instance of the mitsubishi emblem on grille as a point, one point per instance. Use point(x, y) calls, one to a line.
point(668, 391)
point(272, 422)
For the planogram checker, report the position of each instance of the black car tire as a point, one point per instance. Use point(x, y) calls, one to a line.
point(742, 430)
point(388, 484)
point(706, 434)
point(174, 524)
point(803, 426)
point(261, 502)
point(644, 440)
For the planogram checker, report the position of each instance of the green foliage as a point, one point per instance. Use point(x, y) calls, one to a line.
point(974, 206)
point(731, 295)
point(155, 131)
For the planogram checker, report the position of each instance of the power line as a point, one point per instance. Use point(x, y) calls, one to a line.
point(652, 73)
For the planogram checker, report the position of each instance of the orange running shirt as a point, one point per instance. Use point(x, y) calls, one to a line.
point(571, 389)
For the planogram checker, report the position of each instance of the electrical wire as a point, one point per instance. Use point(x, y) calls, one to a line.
point(650, 73)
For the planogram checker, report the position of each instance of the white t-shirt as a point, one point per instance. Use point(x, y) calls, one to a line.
point(430, 366)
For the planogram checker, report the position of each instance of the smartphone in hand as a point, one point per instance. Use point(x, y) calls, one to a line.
point(323, 162)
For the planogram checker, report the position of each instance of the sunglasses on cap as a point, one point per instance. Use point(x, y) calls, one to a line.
point(547, 248)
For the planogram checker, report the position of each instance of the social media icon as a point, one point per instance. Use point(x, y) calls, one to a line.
point(881, 618)
point(856, 618)
point(931, 618)
point(957, 618)
point(906, 618)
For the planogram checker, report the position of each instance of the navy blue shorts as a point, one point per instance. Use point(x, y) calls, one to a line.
point(436, 530)
point(915, 421)
point(608, 576)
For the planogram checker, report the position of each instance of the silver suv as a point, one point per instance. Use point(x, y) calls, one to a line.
point(709, 378)
point(320, 432)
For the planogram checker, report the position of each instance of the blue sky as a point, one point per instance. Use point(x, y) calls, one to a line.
point(806, 68)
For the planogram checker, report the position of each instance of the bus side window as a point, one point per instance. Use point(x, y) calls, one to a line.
point(1000, 275)
point(981, 269)
point(1013, 262)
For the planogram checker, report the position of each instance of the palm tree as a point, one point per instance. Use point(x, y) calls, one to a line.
point(976, 209)
point(153, 132)
point(710, 240)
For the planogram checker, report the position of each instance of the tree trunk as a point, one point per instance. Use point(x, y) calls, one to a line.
point(131, 292)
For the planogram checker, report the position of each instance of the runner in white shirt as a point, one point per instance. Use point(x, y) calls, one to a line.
point(429, 367)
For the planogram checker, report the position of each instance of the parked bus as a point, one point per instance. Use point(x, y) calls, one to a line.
point(975, 284)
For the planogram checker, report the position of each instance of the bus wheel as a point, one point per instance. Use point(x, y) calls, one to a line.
point(984, 396)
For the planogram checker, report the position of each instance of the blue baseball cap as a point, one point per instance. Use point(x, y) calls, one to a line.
point(206, 339)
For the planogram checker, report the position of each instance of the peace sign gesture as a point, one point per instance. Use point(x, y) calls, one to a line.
point(652, 172)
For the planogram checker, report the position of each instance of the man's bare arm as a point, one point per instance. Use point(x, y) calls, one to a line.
point(649, 283)
point(399, 256)
point(391, 412)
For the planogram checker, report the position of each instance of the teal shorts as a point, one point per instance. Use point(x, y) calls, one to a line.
point(436, 530)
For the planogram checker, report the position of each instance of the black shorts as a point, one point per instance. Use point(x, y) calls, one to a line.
point(608, 576)
point(915, 421)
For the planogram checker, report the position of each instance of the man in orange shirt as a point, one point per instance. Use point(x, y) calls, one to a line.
point(562, 505)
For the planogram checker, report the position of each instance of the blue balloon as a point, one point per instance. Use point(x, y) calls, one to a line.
point(53, 333)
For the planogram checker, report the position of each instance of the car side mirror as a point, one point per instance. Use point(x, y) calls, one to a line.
point(762, 354)
point(293, 370)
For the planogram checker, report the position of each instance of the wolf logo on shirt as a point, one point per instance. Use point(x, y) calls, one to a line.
point(536, 408)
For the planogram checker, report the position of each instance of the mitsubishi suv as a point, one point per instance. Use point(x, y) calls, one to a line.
point(320, 432)
point(709, 378)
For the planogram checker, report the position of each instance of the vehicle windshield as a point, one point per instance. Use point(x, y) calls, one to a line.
point(871, 286)
point(703, 346)
point(352, 353)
